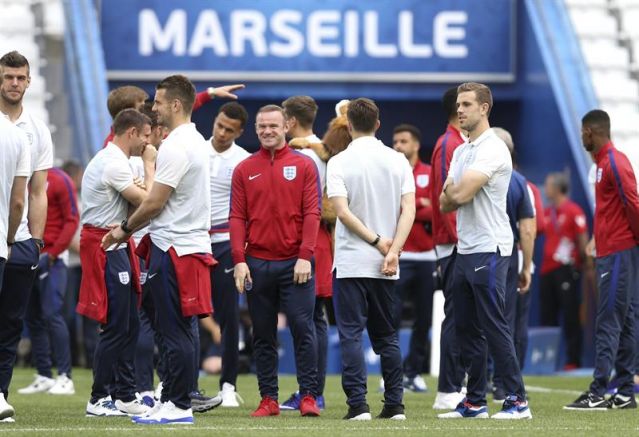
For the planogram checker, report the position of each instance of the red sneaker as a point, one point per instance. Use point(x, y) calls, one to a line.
point(308, 406)
point(268, 407)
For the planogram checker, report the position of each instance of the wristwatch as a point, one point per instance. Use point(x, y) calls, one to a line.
point(125, 226)
point(374, 243)
point(39, 243)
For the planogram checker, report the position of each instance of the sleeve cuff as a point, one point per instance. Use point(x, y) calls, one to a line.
point(305, 254)
point(238, 257)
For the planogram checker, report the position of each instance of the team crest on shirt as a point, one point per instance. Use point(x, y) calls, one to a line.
point(124, 277)
point(422, 180)
point(290, 172)
point(599, 174)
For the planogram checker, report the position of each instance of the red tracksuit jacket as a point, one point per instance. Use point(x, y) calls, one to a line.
point(275, 206)
point(444, 225)
point(617, 202)
point(62, 212)
point(420, 240)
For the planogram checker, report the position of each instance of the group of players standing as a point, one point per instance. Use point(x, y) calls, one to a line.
point(161, 230)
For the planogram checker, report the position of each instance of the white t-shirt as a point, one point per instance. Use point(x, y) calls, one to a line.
point(137, 167)
point(222, 166)
point(41, 148)
point(321, 165)
point(482, 223)
point(183, 164)
point(373, 178)
point(15, 160)
point(107, 175)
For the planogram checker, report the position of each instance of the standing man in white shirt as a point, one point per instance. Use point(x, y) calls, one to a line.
point(225, 154)
point(178, 246)
point(372, 190)
point(20, 269)
point(300, 112)
point(476, 187)
point(15, 163)
point(110, 277)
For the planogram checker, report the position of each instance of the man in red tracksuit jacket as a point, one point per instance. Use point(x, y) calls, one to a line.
point(617, 244)
point(451, 372)
point(274, 220)
point(44, 318)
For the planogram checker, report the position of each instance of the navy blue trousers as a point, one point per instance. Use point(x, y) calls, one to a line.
point(2, 263)
point(615, 342)
point(177, 334)
point(321, 336)
point(416, 283)
point(114, 359)
point(17, 281)
point(145, 346)
point(273, 290)
point(451, 370)
point(368, 303)
point(45, 320)
point(479, 295)
point(226, 310)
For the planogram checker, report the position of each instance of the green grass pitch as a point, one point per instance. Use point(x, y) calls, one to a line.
point(64, 415)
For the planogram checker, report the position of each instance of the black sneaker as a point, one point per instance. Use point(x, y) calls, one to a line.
point(621, 402)
point(499, 395)
point(589, 402)
point(360, 412)
point(392, 412)
point(201, 403)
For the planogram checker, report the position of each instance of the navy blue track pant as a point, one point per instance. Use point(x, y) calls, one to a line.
point(416, 283)
point(321, 336)
point(451, 370)
point(47, 327)
point(114, 359)
point(145, 345)
point(479, 296)
point(274, 290)
point(615, 342)
point(17, 281)
point(177, 334)
point(226, 310)
point(368, 303)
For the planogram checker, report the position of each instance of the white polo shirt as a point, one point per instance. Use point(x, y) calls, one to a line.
point(15, 160)
point(373, 178)
point(41, 148)
point(183, 164)
point(482, 223)
point(107, 175)
point(137, 166)
point(321, 165)
point(222, 166)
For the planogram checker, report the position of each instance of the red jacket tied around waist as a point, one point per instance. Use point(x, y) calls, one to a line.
point(93, 301)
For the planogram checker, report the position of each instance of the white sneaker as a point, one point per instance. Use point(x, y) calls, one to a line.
point(103, 408)
point(447, 401)
point(41, 384)
point(135, 407)
point(63, 386)
point(230, 398)
point(8, 420)
point(158, 391)
point(513, 411)
point(150, 412)
point(169, 414)
point(6, 410)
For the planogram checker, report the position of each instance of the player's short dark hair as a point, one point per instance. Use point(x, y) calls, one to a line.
point(597, 119)
point(449, 102)
point(412, 130)
point(124, 97)
point(235, 111)
point(482, 93)
point(71, 167)
point(271, 108)
point(147, 109)
point(362, 114)
point(179, 87)
point(129, 118)
point(303, 108)
point(15, 59)
point(561, 181)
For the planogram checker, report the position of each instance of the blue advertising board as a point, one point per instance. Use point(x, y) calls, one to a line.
point(400, 41)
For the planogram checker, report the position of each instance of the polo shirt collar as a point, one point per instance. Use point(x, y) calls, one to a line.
point(483, 137)
point(224, 155)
